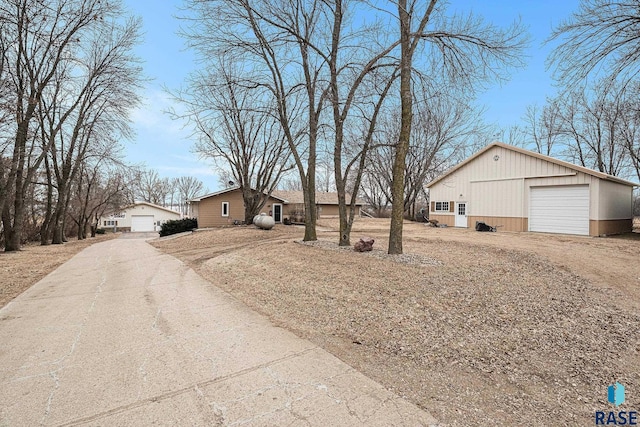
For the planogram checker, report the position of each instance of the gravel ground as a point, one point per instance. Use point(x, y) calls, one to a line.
point(414, 259)
point(477, 328)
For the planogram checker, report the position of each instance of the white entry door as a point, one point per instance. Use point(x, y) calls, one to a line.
point(461, 214)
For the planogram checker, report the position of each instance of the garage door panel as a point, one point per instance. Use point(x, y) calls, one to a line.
point(559, 209)
point(141, 223)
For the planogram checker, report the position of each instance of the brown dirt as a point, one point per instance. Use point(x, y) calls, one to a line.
point(477, 328)
point(21, 270)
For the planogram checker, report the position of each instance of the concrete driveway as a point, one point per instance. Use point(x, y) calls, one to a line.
point(125, 335)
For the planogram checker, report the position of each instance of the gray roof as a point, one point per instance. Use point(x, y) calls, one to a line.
point(322, 197)
point(289, 197)
point(226, 190)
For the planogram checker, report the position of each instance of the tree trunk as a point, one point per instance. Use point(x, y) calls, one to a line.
point(309, 184)
point(253, 203)
point(95, 223)
point(60, 215)
point(58, 234)
point(45, 229)
point(345, 233)
point(310, 215)
point(13, 232)
point(397, 185)
point(82, 229)
point(13, 225)
point(8, 229)
point(345, 227)
point(65, 216)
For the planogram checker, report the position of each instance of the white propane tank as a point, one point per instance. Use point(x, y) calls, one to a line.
point(264, 221)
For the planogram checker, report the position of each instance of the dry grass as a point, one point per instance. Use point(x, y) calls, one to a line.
point(21, 270)
point(477, 328)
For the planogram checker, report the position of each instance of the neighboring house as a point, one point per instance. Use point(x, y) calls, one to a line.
point(521, 190)
point(226, 207)
point(326, 202)
point(140, 216)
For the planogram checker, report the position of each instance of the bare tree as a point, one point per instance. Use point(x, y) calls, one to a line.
point(325, 179)
point(299, 52)
point(45, 38)
point(238, 131)
point(599, 41)
point(441, 127)
point(150, 187)
point(5, 84)
point(598, 60)
point(289, 183)
point(592, 125)
point(469, 52)
point(272, 38)
point(100, 186)
point(225, 178)
point(544, 126)
point(513, 134)
point(188, 188)
point(360, 76)
point(172, 198)
point(629, 135)
point(95, 116)
point(365, 91)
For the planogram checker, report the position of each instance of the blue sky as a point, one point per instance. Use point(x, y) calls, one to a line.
point(506, 105)
point(163, 144)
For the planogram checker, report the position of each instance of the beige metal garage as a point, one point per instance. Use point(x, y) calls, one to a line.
point(138, 217)
point(140, 223)
point(521, 190)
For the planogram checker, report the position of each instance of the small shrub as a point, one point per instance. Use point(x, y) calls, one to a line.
point(178, 226)
point(101, 231)
point(296, 214)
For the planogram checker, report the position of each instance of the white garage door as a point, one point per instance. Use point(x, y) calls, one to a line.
point(142, 223)
point(561, 209)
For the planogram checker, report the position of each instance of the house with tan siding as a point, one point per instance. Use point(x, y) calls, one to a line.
point(520, 190)
point(226, 207)
point(326, 202)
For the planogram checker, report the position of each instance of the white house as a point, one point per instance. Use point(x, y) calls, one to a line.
point(521, 190)
point(140, 216)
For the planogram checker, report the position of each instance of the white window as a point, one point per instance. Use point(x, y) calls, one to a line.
point(442, 207)
point(225, 208)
